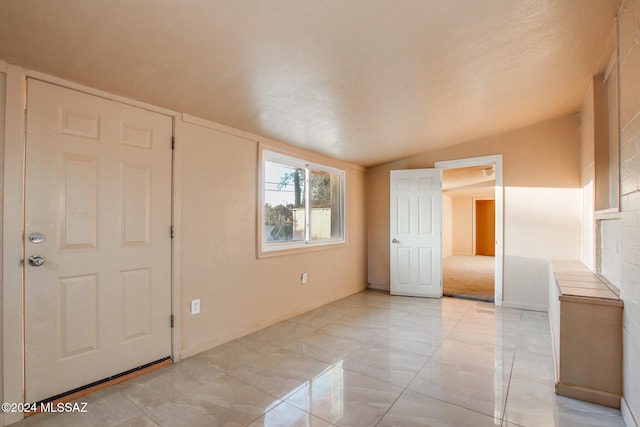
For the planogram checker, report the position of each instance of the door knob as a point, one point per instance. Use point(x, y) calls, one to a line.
point(395, 241)
point(36, 260)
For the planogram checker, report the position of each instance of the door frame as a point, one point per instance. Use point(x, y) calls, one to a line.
point(13, 345)
point(495, 160)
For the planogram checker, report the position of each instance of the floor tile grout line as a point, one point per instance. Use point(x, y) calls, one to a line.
point(436, 350)
point(454, 404)
point(364, 345)
point(211, 368)
point(403, 389)
point(464, 320)
point(280, 347)
point(282, 398)
point(252, 386)
point(283, 402)
point(328, 333)
point(147, 414)
point(406, 388)
point(513, 361)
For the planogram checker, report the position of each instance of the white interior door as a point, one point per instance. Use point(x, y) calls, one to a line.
point(98, 214)
point(416, 237)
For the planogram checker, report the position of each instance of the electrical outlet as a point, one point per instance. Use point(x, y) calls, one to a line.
point(303, 278)
point(195, 306)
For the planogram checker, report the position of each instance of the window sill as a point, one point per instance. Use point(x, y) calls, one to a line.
point(604, 214)
point(300, 249)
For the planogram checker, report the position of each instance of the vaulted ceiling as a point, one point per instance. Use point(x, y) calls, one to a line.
point(366, 81)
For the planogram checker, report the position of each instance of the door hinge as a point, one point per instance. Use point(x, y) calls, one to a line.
point(172, 320)
point(173, 142)
point(172, 231)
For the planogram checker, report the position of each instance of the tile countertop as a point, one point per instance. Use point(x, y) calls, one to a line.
point(574, 279)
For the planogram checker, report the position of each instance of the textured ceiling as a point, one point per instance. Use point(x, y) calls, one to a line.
point(367, 81)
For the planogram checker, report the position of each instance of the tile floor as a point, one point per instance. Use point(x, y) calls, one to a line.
point(366, 360)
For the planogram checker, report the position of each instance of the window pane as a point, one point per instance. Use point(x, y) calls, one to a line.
point(325, 192)
point(284, 216)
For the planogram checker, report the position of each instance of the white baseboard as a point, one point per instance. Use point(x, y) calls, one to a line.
point(524, 306)
point(627, 415)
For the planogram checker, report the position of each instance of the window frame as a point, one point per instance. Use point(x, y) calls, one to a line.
point(264, 248)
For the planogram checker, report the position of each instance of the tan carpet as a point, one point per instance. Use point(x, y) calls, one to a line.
point(468, 277)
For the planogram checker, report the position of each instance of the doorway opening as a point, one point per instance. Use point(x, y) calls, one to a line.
point(472, 228)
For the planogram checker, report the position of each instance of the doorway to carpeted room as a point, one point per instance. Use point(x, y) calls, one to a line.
point(469, 277)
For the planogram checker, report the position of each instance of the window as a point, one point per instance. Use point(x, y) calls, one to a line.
point(302, 203)
point(608, 256)
point(606, 159)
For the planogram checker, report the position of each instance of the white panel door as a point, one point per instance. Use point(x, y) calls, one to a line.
point(416, 238)
point(98, 213)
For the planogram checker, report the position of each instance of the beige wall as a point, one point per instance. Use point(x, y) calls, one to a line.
point(542, 196)
point(239, 293)
point(462, 225)
point(629, 70)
